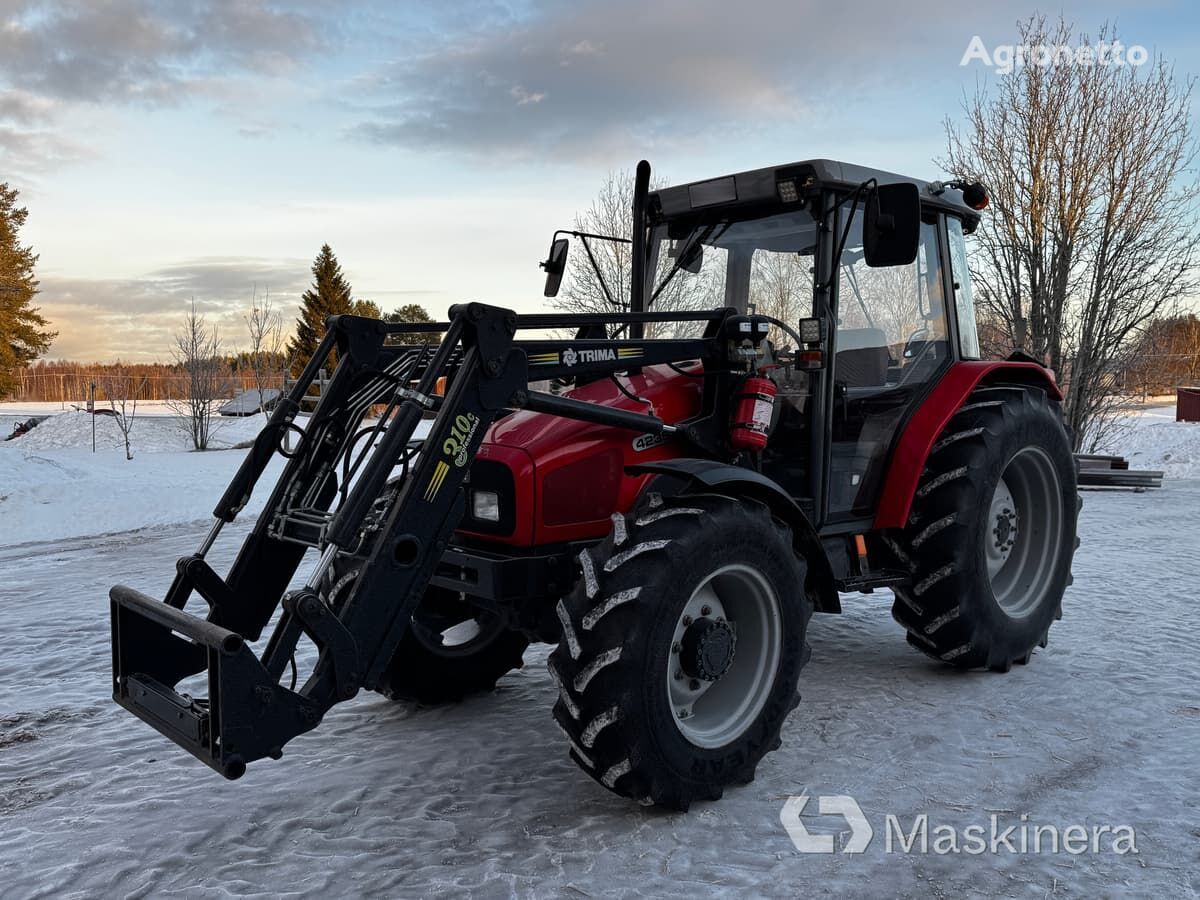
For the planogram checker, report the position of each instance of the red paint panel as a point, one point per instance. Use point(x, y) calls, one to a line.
point(521, 465)
point(551, 444)
point(927, 423)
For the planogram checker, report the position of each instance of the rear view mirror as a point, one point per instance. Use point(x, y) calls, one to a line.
point(892, 225)
point(693, 256)
point(555, 265)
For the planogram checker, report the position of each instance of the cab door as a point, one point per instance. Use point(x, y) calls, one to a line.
point(890, 344)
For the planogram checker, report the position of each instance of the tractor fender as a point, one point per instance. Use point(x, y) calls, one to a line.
point(926, 424)
point(736, 482)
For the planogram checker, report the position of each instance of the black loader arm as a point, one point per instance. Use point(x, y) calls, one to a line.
point(350, 489)
point(248, 714)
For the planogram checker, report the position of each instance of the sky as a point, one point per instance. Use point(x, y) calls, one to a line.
point(172, 152)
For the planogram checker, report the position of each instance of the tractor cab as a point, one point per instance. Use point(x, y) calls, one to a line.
point(864, 273)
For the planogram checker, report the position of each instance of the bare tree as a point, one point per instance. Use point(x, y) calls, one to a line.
point(611, 214)
point(1092, 231)
point(264, 324)
point(122, 389)
point(1167, 356)
point(197, 352)
point(781, 286)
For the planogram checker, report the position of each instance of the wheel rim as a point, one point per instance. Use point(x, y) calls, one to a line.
point(444, 623)
point(727, 682)
point(450, 626)
point(1023, 539)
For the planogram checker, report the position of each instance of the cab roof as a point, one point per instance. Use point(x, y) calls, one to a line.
point(762, 186)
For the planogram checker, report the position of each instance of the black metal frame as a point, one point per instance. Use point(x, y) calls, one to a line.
point(340, 497)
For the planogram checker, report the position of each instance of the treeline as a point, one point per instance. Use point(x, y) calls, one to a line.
point(62, 381)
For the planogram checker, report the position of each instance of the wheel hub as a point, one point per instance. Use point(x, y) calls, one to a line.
point(1005, 528)
point(1005, 531)
point(706, 651)
point(715, 693)
point(1023, 539)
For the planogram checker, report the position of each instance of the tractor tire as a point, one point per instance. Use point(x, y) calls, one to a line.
point(450, 650)
point(992, 532)
point(681, 648)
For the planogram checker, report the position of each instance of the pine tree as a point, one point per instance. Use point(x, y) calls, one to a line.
point(23, 333)
point(368, 308)
point(413, 312)
point(328, 296)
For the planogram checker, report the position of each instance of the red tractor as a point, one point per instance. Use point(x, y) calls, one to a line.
point(666, 495)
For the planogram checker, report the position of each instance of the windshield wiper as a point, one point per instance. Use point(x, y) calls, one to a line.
point(682, 256)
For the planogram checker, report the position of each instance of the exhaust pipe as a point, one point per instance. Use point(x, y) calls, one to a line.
point(637, 287)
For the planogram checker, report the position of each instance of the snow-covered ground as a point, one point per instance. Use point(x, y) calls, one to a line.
point(1150, 438)
point(1102, 728)
point(53, 486)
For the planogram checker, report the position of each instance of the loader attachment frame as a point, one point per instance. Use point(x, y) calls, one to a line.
point(372, 493)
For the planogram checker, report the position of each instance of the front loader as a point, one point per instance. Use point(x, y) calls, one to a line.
point(667, 495)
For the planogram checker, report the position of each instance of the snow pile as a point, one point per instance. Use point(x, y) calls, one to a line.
point(150, 434)
point(52, 485)
point(1151, 439)
point(64, 493)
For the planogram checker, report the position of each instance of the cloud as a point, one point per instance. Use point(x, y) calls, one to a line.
point(134, 319)
point(144, 51)
point(588, 77)
point(57, 55)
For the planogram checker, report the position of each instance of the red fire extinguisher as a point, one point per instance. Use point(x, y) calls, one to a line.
point(752, 408)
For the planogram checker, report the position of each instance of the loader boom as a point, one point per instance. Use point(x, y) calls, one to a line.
point(340, 495)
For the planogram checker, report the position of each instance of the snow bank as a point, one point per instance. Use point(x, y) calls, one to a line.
point(72, 492)
point(151, 434)
point(53, 487)
point(1150, 438)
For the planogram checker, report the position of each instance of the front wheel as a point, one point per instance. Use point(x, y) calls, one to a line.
point(681, 649)
point(451, 648)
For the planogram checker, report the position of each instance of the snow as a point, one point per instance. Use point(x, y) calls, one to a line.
point(1150, 438)
point(53, 486)
point(1102, 728)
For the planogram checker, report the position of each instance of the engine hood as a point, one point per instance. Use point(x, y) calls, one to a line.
point(670, 395)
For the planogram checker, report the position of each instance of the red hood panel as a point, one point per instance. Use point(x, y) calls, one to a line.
point(672, 397)
point(537, 445)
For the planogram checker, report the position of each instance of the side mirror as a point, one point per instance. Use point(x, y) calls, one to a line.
point(693, 259)
point(555, 265)
point(892, 225)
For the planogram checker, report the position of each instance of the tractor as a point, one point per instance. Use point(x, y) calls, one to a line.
point(789, 406)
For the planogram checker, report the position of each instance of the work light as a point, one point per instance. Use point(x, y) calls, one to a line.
point(485, 505)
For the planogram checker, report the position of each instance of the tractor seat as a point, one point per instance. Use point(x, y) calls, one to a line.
point(862, 357)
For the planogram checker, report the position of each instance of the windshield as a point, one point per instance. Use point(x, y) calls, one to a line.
point(765, 263)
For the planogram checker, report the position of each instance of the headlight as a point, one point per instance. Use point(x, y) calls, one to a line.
point(485, 505)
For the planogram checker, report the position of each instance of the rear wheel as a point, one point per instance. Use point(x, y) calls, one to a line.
point(992, 532)
point(452, 648)
point(682, 648)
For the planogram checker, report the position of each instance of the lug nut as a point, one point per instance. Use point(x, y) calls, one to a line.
point(675, 647)
point(687, 620)
point(678, 675)
point(706, 610)
point(694, 684)
point(683, 714)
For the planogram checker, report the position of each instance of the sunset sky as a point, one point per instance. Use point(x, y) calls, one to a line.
point(171, 150)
